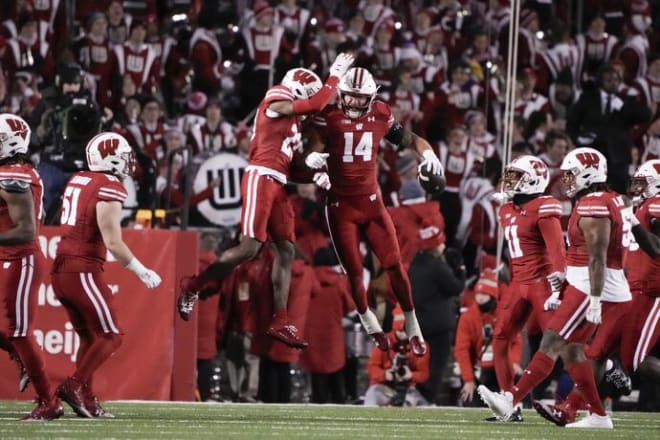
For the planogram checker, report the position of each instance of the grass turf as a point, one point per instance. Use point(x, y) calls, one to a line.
point(165, 420)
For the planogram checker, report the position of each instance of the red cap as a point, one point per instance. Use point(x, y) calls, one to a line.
point(334, 25)
point(261, 8)
point(487, 283)
point(197, 101)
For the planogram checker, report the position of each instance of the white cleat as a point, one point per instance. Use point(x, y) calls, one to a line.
point(593, 421)
point(500, 403)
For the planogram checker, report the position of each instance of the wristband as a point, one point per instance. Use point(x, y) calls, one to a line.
point(428, 154)
point(135, 266)
point(594, 301)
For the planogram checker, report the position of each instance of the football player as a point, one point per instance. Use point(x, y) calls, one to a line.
point(90, 222)
point(266, 209)
point(350, 133)
point(532, 229)
point(22, 270)
point(642, 329)
point(596, 297)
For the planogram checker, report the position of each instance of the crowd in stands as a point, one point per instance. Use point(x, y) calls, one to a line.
point(180, 79)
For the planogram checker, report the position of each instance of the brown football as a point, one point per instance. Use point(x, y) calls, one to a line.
point(432, 183)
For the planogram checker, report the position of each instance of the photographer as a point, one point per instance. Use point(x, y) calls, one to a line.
point(67, 118)
point(474, 336)
point(394, 374)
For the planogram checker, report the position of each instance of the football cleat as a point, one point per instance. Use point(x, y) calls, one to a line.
point(560, 415)
point(418, 346)
point(381, 340)
point(516, 416)
point(185, 303)
point(288, 335)
point(71, 391)
point(23, 378)
point(593, 421)
point(93, 406)
point(618, 378)
point(45, 410)
point(500, 403)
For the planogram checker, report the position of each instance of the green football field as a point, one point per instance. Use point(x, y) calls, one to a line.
point(155, 420)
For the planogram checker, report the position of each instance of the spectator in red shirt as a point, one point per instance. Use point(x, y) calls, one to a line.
point(473, 350)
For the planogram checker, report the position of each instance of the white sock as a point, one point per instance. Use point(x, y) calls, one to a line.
point(412, 326)
point(370, 322)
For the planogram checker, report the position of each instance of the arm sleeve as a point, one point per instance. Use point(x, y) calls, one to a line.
point(462, 348)
point(317, 102)
point(550, 228)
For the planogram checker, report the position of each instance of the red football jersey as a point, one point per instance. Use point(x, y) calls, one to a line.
point(606, 204)
point(23, 173)
point(643, 272)
point(531, 254)
point(82, 243)
point(274, 137)
point(353, 147)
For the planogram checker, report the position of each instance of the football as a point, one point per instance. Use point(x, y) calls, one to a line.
point(432, 183)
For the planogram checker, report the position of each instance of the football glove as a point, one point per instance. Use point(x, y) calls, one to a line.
point(342, 63)
point(322, 180)
point(553, 302)
point(431, 163)
point(316, 160)
point(594, 310)
point(150, 278)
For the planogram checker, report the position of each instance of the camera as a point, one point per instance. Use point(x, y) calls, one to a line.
point(487, 332)
point(399, 366)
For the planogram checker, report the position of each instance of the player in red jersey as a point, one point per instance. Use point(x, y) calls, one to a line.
point(532, 228)
point(90, 222)
point(595, 299)
point(351, 132)
point(21, 274)
point(642, 329)
point(266, 209)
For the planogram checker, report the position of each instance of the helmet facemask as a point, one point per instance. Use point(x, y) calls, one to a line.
point(355, 104)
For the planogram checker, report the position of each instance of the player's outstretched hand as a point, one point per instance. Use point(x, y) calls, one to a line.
point(315, 160)
point(322, 180)
point(150, 278)
point(342, 63)
point(431, 163)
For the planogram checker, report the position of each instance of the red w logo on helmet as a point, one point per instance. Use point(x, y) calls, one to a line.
point(18, 126)
point(107, 147)
point(303, 76)
point(588, 159)
point(540, 168)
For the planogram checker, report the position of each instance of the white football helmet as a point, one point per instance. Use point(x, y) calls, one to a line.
point(303, 83)
point(14, 135)
point(646, 181)
point(110, 152)
point(526, 175)
point(357, 90)
point(583, 167)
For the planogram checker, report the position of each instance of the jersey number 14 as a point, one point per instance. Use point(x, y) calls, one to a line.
point(363, 148)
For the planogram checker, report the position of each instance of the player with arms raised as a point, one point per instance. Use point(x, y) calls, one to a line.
point(532, 228)
point(90, 222)
point(351, 132)
point(22, 262)
point(595, 299)
point(266, 208)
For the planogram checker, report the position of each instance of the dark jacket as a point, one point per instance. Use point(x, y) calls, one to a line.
point(610, 133)
point(434, 286)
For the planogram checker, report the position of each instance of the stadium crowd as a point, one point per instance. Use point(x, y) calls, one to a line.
point(181, 79)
